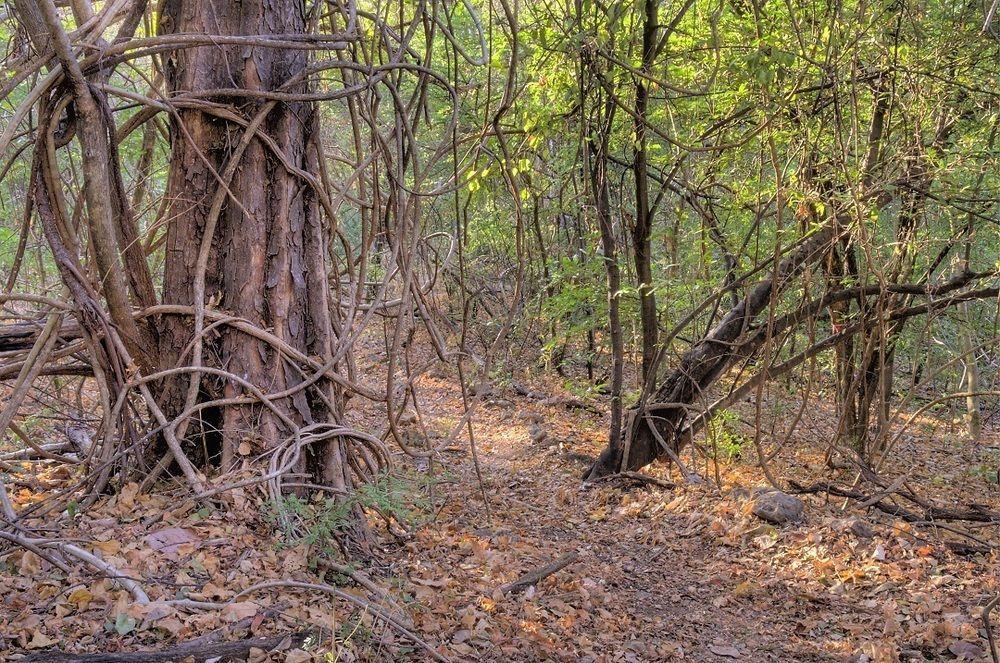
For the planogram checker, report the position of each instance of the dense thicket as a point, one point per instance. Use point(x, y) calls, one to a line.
point(676, 204)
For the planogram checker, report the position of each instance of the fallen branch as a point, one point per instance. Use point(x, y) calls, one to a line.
point(376, 611)
point(130, 585)
point(637, 477)
point(976, 514)
point(987, 609)
point(931, 517)
point(535, 577)
point(196, 651)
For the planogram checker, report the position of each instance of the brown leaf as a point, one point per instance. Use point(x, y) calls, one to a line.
point(31, 564)
point(40, 640)
point(169, 540)
point(81, 597)
point(966, 650)
point(724, 650)
point(237, 611)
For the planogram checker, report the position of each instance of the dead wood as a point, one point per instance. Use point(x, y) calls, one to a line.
point(637, 477)
point(976, 513)
point(987, 609)
point(197, 651)
point(536, 576)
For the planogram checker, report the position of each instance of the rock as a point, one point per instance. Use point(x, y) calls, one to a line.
point(738, 493)
point(855, 525)
point(861, 529)
point(777, 507)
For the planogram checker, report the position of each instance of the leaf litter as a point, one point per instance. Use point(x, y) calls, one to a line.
point(684, 573)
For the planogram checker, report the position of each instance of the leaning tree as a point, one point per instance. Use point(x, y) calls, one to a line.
point(872, 180)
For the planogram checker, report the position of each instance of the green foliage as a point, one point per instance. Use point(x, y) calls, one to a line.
point(724, 442)
point(317, 523)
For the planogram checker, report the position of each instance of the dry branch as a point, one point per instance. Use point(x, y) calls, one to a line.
point(198, 652)
point(975, 513)
point(536, 576)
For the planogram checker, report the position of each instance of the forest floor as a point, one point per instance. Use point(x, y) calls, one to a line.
point(661, 573)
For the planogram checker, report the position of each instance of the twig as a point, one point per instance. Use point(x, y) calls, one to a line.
point(638, 477)
point(376, 611)
point(90, 559)
point(987, 609)
point(931, 513)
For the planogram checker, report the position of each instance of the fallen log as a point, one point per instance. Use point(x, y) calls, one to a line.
point(199, 652)
point(22, 335)
point(977, 513)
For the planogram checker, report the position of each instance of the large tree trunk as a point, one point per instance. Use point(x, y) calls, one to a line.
point(597, 144)
point(265, 260)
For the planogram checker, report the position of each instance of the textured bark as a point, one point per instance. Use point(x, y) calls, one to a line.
point(267, 262)
point(106, 227)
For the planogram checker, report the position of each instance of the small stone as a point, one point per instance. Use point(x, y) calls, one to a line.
point(777, 507)
point(724, 650)
point(738, 493)
point(861, 529)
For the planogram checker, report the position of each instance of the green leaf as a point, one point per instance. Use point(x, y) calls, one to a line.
point(124, 623)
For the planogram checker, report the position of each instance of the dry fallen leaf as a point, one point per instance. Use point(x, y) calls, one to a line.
point(237, 611)
point(724, 650)
point(80, 597)
point(297, 656)
point(40, 640)
point(966, 650)
point(31, 564)
point(169, 540)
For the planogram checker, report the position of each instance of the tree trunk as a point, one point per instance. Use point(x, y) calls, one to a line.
point(265, 258)
point(974, 418)
point(641, 245)
point(653, 426)
point(598, 153)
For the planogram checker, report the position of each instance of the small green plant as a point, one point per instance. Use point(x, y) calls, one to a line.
point(317, 523)
point(991, 474)
point(723, 440)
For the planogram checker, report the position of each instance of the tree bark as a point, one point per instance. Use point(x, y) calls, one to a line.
point(265, 251)
point(641, 243)
point(598, 148)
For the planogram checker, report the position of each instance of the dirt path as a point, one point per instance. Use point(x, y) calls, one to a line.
point(682, 573)
point(670, 574)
